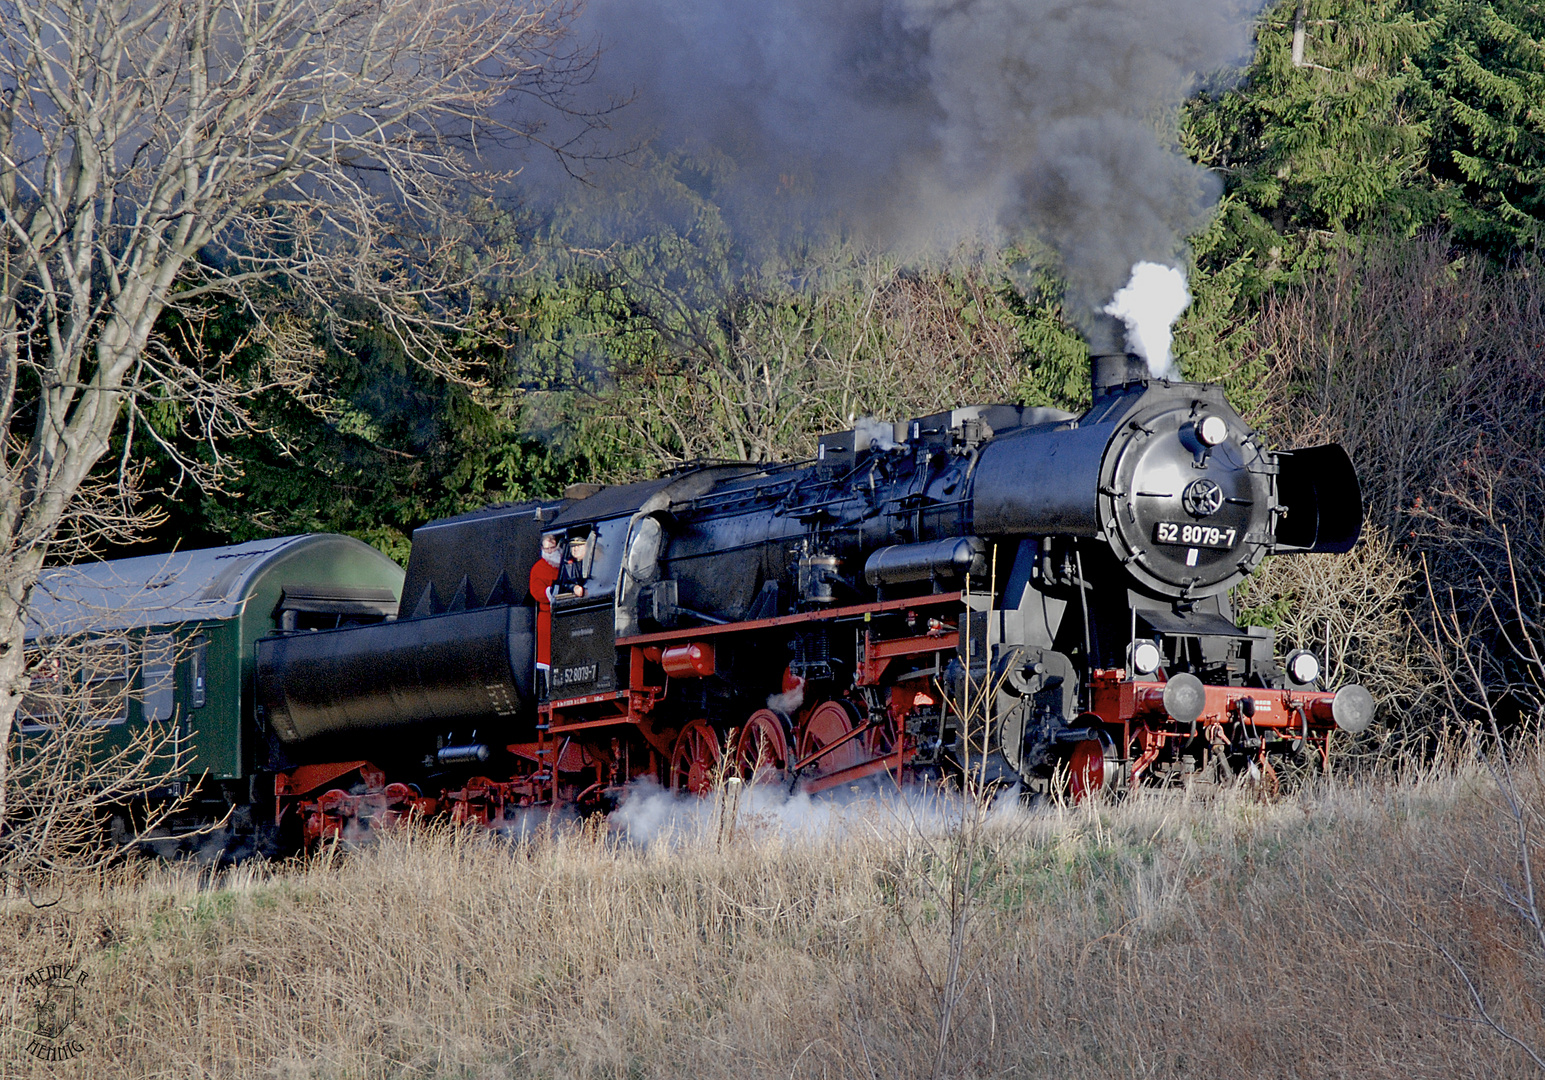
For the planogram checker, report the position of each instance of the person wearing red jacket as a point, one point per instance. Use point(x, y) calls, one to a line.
point(544, 575)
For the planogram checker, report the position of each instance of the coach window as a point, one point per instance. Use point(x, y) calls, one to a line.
point(157, 687)
point(42, 703)
point(105, 681)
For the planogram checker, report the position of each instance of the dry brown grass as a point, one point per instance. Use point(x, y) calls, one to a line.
point(1163, 937)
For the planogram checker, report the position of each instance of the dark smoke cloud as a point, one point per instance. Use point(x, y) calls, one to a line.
point(921, 124)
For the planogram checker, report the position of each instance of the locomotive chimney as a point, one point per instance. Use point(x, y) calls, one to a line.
point(1109, 372)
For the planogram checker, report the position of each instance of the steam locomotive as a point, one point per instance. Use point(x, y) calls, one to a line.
point(1038, 597)
point(1026, 595)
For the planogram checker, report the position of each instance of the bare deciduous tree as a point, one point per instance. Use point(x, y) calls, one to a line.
point(1408, 354)
point(161, 154)
point(1426, 364)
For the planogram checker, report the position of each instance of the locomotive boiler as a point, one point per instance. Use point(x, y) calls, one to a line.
point(1037, 596)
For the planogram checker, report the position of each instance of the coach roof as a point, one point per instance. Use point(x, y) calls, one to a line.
point(158, 590)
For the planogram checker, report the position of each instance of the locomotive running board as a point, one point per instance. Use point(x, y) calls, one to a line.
point(788, 620)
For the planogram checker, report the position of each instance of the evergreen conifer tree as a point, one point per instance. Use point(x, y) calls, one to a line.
point(1487, 71)
point(1328, 131)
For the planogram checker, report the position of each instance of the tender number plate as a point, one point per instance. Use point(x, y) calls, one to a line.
point(1189, 534)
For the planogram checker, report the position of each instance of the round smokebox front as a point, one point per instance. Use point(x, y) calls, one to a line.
point(1184, 499)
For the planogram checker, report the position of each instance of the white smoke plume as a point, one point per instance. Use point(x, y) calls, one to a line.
point(915, 126)
point(1149, 304)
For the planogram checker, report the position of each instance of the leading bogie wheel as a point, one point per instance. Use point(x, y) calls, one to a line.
point(1093, 769)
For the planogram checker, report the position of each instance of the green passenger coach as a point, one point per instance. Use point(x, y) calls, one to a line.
point(171, 639)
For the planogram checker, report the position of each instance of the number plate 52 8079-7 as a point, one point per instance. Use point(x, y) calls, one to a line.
point(1189, 534)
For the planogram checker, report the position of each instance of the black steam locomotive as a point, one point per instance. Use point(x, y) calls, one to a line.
point(1038, 596)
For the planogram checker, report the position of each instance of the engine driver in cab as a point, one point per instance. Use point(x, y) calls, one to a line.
point(571, 575)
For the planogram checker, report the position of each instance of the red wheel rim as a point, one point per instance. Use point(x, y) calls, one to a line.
point(827, 723)
point(696, 758)
point(1086, 769)
point(762, 751)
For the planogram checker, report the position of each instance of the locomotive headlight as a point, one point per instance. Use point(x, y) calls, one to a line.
point(1212, 430)
point(1303, 667)
point(1145, 658)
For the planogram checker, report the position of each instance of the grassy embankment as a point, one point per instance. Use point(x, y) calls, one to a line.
point(1162, 937)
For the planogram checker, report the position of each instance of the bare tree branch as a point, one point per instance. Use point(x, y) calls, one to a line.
point(161, 154)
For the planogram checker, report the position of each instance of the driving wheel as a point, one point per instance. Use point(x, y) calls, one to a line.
point(696, 758)
point(762, 750)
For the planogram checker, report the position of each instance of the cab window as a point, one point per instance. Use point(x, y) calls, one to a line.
point(605, 556)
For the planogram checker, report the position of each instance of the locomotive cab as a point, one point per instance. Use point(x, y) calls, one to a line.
point(584, 650)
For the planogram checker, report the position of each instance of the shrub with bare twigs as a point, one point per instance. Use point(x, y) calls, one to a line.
point(1429, 366)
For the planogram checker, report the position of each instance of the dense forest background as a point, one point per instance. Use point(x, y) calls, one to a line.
point(1372, 276)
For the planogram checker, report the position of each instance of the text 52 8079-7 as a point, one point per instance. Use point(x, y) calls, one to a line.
point(1188, 534)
